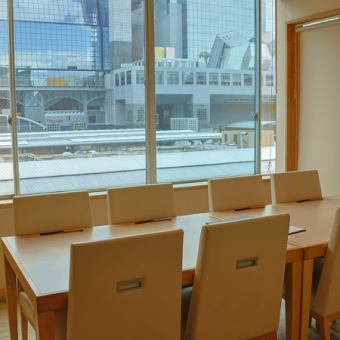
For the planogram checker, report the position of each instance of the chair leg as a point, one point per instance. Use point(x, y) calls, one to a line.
point(325, 329)
point(24, 326)
point(310, 321)
point(318, 325)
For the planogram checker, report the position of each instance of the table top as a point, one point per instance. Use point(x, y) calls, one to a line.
point(315, 216)
point(44, 261)
point(318, 219)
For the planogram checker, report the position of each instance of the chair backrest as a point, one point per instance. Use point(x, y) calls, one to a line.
point(327, 297)
point(295, 186)
point(238, 279)
point(52, 212)
point(126, 288)
point(238, 193)
point(140, 203)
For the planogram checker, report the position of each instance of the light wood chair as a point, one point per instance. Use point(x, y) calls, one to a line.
point(238, 280)
point(140, 203)
point(44, 214)
point(238, 193)
point(326, 288)
point(296, 186)
point(126, 288)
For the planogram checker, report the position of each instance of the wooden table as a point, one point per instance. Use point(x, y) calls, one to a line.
point(41, 265)
point(317, 218)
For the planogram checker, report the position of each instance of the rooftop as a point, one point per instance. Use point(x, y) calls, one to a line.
point(110, 171)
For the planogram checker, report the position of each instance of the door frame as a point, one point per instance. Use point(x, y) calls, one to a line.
point(293, 85)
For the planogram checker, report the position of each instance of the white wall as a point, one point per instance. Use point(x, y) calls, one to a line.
point(288, 10)
point(319, 135)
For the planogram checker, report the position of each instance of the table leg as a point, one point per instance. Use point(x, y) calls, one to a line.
point(293, 281)
point(46, 324)
point(307, 277)
point(11, 296)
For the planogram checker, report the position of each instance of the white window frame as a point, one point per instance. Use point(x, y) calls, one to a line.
point(150, 83)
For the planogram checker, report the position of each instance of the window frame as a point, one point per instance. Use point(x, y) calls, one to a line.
point(149, 79)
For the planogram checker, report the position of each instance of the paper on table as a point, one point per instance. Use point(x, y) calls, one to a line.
point(292, 229)
point(295, 230)
point(231, 219)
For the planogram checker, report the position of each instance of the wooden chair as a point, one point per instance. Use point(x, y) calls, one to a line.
point(140, 203)
point(44, 214)
point(326, 293)
point(238, 193)
point(238, 280)
point(296, 186)
point(41, 214)
point(126, 288)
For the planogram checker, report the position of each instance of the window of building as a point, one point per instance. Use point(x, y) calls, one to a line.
point(128, 77)
point(73, 61)
point(201, 78)
point(92, 119)
point(140, 115)
point(140, 77)
point(237, 79)
point(173, 77)
point(213, 78)
point(225, 79)
point(122, 78)
point(188, 78)
point(160, 77)
point(53, 127)
point(248, 80)
point(202, 114)
point(79, 126)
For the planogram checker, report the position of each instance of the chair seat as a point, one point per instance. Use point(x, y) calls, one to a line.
point(30, 313)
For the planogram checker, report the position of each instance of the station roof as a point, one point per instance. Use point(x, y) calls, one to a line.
point(111, 171)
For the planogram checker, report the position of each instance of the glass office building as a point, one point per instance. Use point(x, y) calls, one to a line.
point(205, 19)
point(61, 54)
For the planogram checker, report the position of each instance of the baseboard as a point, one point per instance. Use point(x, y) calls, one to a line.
point(2, 294)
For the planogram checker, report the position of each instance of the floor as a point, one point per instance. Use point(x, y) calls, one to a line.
point(4, 333)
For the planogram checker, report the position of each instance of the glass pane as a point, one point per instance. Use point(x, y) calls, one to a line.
point(6, 168)
point(268, 100)
point(206, 108)
point(81, 94)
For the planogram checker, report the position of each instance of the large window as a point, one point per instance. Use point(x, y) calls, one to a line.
point(268, 87)
point(80, 125)
point(6, 164)
point(213, 122)
point(83, 92)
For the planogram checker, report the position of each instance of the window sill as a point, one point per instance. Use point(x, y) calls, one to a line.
point(177, 187)
point(95, 195)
